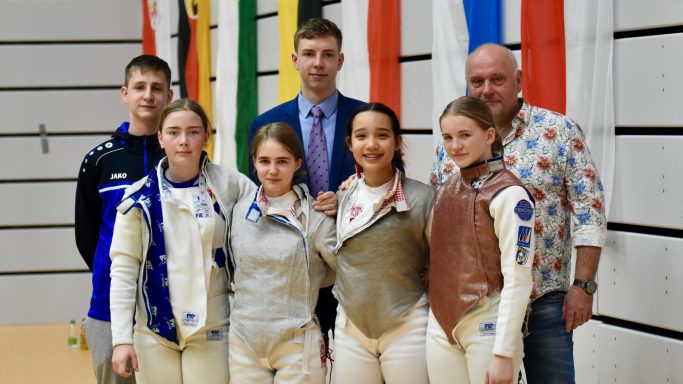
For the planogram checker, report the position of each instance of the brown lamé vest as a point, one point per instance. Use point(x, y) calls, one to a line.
point(465, 258)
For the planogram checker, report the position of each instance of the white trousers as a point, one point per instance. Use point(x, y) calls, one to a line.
point(296, 360)
point(202, 358)
point(396, 357)
point(468, 362)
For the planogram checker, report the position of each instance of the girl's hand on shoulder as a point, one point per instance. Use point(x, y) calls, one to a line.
point(326, 202)
point(500, 371)
point(124, 360)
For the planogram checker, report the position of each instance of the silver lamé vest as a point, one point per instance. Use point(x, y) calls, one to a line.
point(379, 269)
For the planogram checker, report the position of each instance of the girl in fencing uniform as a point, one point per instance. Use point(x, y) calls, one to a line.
point(169, 290)
point(383, 230)
point(281, 248)
point(481, 256)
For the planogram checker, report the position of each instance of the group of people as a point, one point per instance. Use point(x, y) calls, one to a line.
point(202, 274)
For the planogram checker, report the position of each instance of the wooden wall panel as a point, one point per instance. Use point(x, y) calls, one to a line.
point(266, 6)
point(65, 65)
point(62, 161)
point(418, 154)
point(25, 204)
point(631, 14)
point(641, 279)
point(62, 111)
point(41, 249)
point(268, 44)
point(49, 20)
point(416, 27)
point(632, 357)
point(44, 299)
point(648, 182)
point(648, 81)
point(267, 92)
point(416, 95)
point(512, 15)
point(587, 352)
point(333, 13)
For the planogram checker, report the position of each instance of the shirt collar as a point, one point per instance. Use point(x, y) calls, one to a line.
point(394, 196)
point(523, 117)
point(262, 201)
point(328, 106)
point(521, 120)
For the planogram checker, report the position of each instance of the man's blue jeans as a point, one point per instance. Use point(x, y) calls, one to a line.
point(548, 349)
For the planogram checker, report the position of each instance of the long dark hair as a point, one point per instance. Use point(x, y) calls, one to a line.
point(397, 160)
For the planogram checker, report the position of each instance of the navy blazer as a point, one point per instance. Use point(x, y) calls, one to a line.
point(343, 165)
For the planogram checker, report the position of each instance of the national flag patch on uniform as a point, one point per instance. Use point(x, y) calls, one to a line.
point(524, 236)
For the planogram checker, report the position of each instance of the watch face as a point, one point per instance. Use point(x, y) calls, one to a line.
point(591, 287)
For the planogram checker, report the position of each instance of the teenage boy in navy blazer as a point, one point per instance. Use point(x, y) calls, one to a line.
point(318, 58)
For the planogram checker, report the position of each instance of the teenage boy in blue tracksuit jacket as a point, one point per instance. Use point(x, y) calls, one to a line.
point(106, 171)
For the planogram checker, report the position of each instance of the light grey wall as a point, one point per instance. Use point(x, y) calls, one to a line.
point(65, 72)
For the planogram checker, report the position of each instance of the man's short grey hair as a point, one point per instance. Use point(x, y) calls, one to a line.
point(507, 50)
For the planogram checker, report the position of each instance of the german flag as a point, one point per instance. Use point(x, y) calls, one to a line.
point(194, 54)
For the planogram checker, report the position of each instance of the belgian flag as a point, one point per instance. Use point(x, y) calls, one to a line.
point(291, 14)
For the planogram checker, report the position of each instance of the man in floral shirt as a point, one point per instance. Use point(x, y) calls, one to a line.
point(547, 151)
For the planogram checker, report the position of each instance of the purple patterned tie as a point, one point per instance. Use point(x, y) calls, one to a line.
point(317, 154)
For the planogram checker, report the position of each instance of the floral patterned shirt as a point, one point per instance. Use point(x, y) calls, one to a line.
point(548, 153)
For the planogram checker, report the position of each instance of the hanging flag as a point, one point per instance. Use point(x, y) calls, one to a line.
point(148, 38)
point(354, 77)
point(156, 28)
point(290, 15)
point(188, 61)
point(372, 43)
point(309, 9)
point(567, 67)
point(288, 81)
point(543, 57)
point(589, 46)
point(246, 83)
point(459, 27)
point(194, 55)
point(567, 53)
point(225, 150)
point(203, 16)
point(384, 50)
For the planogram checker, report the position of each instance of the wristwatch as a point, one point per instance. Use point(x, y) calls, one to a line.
point(589, 286)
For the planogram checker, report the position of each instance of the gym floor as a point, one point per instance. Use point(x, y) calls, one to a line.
point(33, 354)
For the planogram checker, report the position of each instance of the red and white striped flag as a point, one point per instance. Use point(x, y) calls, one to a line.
point(372, 44)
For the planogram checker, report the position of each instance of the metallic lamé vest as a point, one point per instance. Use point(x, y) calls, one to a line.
point(464, 265)
point(378, 269)
point(278, 273)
